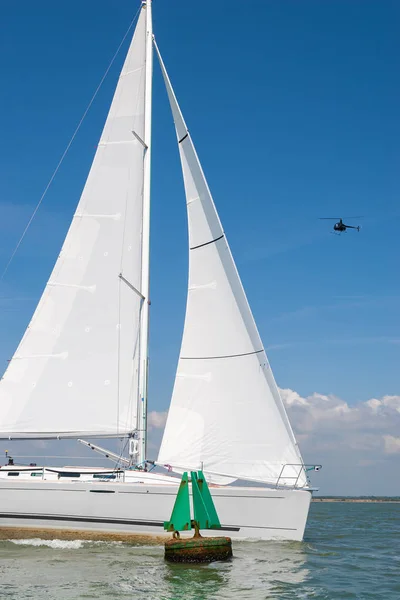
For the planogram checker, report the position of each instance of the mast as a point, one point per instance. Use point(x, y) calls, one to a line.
point(145, 279)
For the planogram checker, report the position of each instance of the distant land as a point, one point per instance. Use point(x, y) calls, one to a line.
point(356, 499)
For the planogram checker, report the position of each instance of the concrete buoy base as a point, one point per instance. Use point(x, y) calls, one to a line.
point(198, 549)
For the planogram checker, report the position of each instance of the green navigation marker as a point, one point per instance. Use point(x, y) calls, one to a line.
point(197, 548)
point(205, 515)
point(208, 501)
point(180, 518)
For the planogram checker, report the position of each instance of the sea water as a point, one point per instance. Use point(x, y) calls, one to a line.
point(350, 551)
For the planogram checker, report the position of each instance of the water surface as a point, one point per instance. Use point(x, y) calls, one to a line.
point(350, 551)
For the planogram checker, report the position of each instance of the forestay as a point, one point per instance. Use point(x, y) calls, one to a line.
point(75, 371)
point(226, 414)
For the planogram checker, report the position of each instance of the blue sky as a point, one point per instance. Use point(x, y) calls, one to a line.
point(294, 109)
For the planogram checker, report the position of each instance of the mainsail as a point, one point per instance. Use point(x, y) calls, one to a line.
point(77, 369)
point(226, 414)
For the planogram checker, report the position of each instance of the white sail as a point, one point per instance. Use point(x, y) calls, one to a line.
point(76, 370)
point(226, 414)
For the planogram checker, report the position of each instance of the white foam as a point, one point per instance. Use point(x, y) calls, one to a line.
point(63, 544)
point(56, 544)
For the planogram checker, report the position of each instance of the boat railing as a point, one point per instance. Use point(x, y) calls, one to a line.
point(294, 472)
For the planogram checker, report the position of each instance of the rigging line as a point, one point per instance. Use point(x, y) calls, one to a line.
point(118, 463)
point(119, 351)
point(67, 148)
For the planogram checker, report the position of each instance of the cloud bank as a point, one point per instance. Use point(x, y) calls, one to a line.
point(322, 422)
point(358, 445)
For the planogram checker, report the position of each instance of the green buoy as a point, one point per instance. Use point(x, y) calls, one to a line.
point(196, 548)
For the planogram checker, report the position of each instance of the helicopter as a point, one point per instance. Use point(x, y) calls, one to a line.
point(340, 227)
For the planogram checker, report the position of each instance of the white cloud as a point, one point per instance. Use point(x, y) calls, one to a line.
point(392, 444)
point(327, 419)
point(155, 425)
point(156, 420)
point(357, 444)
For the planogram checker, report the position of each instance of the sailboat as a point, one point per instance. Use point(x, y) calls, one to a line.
point(81, 368)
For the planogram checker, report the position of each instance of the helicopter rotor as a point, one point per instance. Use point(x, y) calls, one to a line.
point(337, 218)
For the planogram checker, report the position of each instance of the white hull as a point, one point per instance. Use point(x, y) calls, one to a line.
point(141, 508)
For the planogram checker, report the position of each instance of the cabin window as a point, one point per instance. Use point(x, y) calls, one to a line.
point(36, 474)
point(103, 476)
point(13, 473)
point(66, 474)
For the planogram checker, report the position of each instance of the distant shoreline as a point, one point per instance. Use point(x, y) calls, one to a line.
point(395, 500)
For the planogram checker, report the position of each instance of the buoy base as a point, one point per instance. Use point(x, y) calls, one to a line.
point(198, 549)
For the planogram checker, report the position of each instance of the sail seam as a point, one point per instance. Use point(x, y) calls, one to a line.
point(116, 216)
point(207, 243)
point(226, 356)
point(184, 138)
point(86, 288)
point(123, 74)
point(118, 142)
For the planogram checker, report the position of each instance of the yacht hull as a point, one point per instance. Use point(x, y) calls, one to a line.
point(127, 508)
